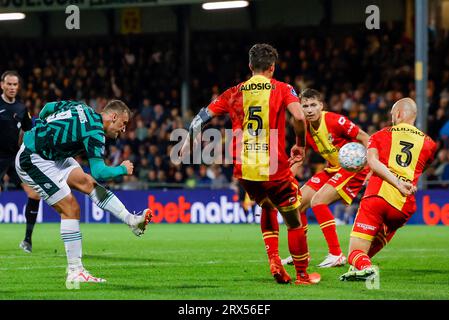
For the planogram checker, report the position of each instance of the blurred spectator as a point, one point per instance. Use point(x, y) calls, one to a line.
point(444, 134)
point(146, 111)
point(141, 131)
point(219, 180)
point(114, 155)
point(191, 180)
point(442, 169)
point(203, 179)
point(143, 169)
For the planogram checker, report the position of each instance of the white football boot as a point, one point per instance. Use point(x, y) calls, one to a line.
point(74, 277)
point(333, 261)
point(138, 223)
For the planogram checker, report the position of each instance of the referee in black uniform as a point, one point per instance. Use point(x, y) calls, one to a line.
point(14, 120)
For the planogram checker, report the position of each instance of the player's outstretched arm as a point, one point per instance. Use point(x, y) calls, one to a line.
point(406, 188)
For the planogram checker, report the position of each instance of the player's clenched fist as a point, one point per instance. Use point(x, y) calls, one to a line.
point(129, 166)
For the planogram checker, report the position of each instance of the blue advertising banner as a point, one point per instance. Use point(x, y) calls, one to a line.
point(202, 206)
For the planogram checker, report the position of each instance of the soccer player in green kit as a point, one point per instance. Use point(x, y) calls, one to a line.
point(45, 162)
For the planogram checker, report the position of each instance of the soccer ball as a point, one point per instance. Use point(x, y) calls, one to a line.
point(352, 157)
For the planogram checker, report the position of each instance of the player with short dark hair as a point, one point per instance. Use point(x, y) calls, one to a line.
point(45, 162)
point(14, 120)
point(398, 155)
point(327, 132)
point(257, 110)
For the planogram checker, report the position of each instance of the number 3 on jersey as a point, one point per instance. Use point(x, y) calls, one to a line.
point(406, 153)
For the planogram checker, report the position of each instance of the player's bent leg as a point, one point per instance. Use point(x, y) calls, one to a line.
point(393, 220)
point(380, 241)
point(307, 194)
point(320, 206)
point(106, 200)
point(369, 221)
point(297, 245)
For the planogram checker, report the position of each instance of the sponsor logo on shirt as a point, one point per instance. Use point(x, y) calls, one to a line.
point(257, 86)
point(59, 116)
point(329, 151)
point(413, 131)
point(256, 147)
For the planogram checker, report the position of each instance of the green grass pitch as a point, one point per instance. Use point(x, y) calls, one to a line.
point(212, 262)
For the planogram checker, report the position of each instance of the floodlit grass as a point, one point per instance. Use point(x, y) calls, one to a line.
point(212, 262)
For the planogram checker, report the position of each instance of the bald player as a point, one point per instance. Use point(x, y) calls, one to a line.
point(397, 155)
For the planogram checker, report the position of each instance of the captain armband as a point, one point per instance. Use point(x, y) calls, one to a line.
point(200, 119)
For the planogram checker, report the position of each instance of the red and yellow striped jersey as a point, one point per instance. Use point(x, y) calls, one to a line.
point(257, 111)
point(406, 151)
point(334, 132)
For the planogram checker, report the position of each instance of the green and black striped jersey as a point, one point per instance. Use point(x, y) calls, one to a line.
point(65, 129)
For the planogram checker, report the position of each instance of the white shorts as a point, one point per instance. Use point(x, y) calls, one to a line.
point(48, 178)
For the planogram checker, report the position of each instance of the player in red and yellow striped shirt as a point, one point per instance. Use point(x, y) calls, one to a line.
point(398, 155)
point(257, 111)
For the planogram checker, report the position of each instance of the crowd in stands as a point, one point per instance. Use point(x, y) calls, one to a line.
point(361, 77)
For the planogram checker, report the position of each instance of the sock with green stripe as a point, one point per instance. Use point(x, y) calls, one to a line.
point(71, 235)
point(106, 200)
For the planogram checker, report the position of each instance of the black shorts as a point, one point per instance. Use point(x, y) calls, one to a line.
point(7, 166)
